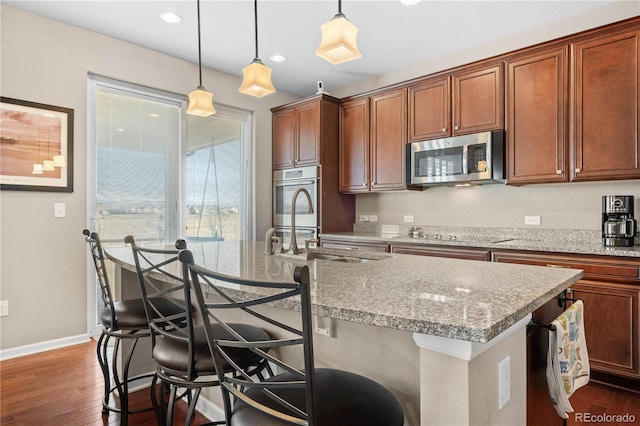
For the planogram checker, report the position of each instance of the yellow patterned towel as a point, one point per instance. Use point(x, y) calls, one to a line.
point(567, 359)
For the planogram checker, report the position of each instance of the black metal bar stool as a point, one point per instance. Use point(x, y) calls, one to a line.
point(301, 396)
point(124, 319)
point(180, 348)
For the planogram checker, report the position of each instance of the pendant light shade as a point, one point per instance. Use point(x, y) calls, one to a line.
point(338, 43)
point(256, 76)
point(257, 79)
point(37, 169)
point(47, 165)
point(59, 161)
point(200, 101)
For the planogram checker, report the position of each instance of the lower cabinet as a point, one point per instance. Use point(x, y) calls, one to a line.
point(610, 290)
point(443, 251)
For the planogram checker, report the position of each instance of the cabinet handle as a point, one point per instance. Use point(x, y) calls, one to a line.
point(558, 172)
point(364, 183)
point(290, 161)
point(456, 127)
point(444, 130)
point(577, 170)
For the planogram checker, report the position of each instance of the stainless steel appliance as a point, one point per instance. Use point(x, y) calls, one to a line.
point(619, 228)
point(460, 160)
point(285, 183)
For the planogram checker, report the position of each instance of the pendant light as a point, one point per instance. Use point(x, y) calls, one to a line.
point(256, 76)
point(338, 43)
point(200, 101)
point(37, 166)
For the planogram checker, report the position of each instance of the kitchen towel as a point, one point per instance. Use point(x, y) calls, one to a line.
point(567, 359)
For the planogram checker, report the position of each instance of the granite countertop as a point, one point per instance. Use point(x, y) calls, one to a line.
point(548, 240)
point(459, 299)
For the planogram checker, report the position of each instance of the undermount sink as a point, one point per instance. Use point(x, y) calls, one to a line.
point(338, 258)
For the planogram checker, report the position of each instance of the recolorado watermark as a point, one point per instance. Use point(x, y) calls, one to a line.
point(605, 418)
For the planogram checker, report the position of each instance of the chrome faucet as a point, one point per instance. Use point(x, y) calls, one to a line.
point(293, 245)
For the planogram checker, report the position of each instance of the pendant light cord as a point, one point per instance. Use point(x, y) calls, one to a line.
point(340, 6)
point(255, 18)
point(199, 49)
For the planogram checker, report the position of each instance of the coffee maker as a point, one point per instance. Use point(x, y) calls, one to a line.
point(619, 228)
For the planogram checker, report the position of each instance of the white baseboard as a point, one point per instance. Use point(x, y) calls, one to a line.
point(210, 410)
point(48, 345)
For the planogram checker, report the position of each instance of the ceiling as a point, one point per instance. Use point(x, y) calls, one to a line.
point(391, 36)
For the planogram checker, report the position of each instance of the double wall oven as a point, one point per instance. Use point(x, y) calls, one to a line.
point(285, 184)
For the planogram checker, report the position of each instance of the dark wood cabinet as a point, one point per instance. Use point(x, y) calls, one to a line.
point(610, 289)
point(478, 100)
point(354, 146)
point(429, 109)
point(465, 102)
point(388, 140)
point(605, 109)
point(372, 142)
point(536, 126)
point(611, 326)
point(301, 131)
point(467, 253)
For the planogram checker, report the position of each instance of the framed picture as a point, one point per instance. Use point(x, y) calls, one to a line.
point(36, 146)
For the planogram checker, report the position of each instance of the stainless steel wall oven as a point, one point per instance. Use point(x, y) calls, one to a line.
point(285, 184)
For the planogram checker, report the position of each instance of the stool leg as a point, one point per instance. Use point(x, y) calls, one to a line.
point(101, 351)
point(192, 406)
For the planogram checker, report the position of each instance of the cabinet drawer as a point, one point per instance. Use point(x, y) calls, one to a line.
point(598, 268)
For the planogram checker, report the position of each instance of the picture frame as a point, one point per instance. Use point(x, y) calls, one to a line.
point(36, 146)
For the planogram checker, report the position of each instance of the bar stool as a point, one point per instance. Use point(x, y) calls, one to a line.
point(124, 319)
point(301, 396)
point(180, 348)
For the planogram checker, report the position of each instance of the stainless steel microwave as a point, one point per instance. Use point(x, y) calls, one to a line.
point(460, 160)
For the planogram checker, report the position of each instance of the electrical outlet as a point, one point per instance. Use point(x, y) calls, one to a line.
point(364, 218)
point(373, 218)
point(4, 308)
point(408, 219)
point(532, 220)
point(504, 382)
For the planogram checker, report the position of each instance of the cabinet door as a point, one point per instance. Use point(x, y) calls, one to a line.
point(430, 109)
point(536, 118)
point(439, 251)
point(388, 140)
point(308, 134)
point(354, 146)
point(605, 108)
point(478, 103)
point(283, 139)
point(611, 326)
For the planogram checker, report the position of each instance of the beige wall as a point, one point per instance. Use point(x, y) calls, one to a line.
point(42, 259)
point(570, 205)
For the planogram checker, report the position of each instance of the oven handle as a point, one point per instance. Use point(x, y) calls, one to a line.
point(295, 183)
point(465, 156)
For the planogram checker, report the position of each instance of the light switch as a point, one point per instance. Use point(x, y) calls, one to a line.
point(59, 210)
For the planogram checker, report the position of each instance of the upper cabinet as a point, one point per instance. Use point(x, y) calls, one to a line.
point(373, 135)
point(605, 111)
point(465, 102)
point(301, 130)
point(536, 130)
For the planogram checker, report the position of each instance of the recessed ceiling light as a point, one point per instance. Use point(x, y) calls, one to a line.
point(409, 2)
point(170, 17)
point(278, 58)
point(154, 115)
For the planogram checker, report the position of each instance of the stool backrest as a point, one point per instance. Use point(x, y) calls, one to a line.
point(250, 298)
point(95, 247)
point(160, 279)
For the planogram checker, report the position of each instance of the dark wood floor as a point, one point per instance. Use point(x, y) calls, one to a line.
point(64, 387)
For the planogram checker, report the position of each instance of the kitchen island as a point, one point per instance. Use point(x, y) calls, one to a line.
point(430, 329)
